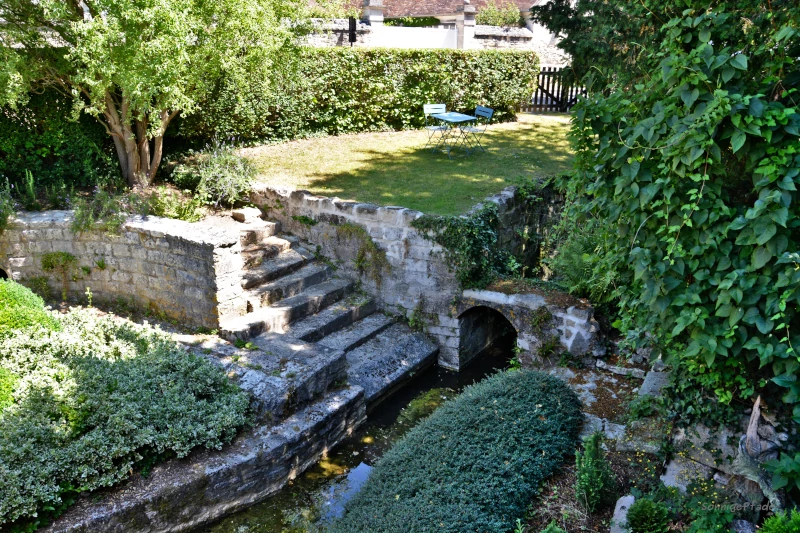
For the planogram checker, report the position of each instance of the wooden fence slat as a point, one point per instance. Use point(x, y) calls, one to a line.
point(553, 93)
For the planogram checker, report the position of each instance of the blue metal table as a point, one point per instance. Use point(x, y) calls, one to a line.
point(454, 136)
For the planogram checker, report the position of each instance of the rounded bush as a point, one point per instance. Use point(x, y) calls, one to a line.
point(647, 516)
point(22, 308)
point(475, 463)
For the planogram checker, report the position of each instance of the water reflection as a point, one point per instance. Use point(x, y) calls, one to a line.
point(319, 495)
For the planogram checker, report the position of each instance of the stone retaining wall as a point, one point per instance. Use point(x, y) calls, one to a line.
point(188, 272)
point(416, 279)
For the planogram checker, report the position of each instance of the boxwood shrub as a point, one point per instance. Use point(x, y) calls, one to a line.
point(22, 308)
point(347, 90)
point(475, 464)
point(95, 399)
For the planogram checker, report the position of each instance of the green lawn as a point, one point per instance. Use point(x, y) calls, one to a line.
point(392, 168)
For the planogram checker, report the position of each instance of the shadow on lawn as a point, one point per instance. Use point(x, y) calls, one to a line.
point(417, 178)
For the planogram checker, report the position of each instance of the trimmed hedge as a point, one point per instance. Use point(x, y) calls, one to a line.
point(346, 90)
point(21, 308)
point(474, 464)
point(93, 401)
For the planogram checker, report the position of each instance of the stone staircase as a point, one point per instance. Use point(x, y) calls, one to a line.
point(307, 331)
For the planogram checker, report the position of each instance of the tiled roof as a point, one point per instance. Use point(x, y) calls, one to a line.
point(429, 8)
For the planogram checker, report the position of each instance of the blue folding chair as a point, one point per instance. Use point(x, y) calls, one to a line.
point(436, 130)
point(473, 134)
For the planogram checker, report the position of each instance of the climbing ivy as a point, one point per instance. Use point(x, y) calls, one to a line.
point(470, 245)
point(697, 172)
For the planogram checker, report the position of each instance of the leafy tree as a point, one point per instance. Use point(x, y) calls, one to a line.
point(620, 37)
point(137, 64)
point(505, 14)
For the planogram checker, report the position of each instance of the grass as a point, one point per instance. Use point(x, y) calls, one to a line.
point(392, 168)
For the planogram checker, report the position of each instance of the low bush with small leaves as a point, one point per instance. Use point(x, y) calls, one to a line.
point(648, 516)
point(788, 522)
point(594, 483)
point(474, 464)
point(21, 308)
point(553, 528)
point(94, 400)
point(217, 175)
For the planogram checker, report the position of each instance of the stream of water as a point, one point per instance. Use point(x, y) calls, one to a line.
point(320, 493)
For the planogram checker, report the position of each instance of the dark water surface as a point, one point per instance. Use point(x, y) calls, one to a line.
point(318, 495)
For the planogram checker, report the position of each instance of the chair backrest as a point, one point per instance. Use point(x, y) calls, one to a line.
point(432, 109)
point(484, 112)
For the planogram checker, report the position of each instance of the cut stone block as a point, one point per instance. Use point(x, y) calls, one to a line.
point(287, 286)
point(707, 447)
point(331, 319)
point(620, 518)
point(653, 383)
point(647, 435)
point(246, 214)
point(283, 264)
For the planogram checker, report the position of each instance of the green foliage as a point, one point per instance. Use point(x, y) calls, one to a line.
point(305, 220)
point(61, 263)
point(107, 211)
point(370, 259)
point(173, 204)
point(648, 516)
point(470, 244)
point(7, 382)
point(594, 483)
point(136, 66)
point(42, 138)
point(696, 174)
point(552, 527)
point(96, 398)
point(504, 14)
point(412, 22)
point(580, 262)
point(618, 38)
point(346, 90)
point(785, 471)
point(6, 206)
point(474, 464)
point(782, 523)
point(644, 407)
point(21, 308)
point(217, 174)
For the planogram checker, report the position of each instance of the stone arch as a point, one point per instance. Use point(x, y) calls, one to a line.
point(479, 327)
point(4, 274)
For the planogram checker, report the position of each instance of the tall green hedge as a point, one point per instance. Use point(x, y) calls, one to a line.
point(346, 90)
point(40, 137)
point(474, 464)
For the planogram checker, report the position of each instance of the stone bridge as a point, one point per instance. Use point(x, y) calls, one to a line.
point(545, 323)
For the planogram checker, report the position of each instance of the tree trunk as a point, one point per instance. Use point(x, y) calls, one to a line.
point(132, 140)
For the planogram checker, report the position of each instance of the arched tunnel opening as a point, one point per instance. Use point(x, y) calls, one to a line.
point(3, 274)
point(485, 332)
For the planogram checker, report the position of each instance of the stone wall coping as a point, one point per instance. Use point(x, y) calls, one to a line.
point(533, 301)
point(392, 215)
point(193, 232)
point(497, 31)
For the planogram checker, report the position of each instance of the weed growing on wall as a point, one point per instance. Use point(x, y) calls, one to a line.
point(471, 245)
point(370, 259)
point(61, 264)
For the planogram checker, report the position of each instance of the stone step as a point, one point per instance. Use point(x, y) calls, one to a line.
point(287, 286)
point(333, 318)
point(255, 254)
point(384, 363)
point(246, 214)
point(281, 265)
point(256, 231)
point(277, 317)
point(281, 374)
point(353, 336)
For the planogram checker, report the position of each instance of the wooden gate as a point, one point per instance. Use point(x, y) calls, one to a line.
point(553, 93)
